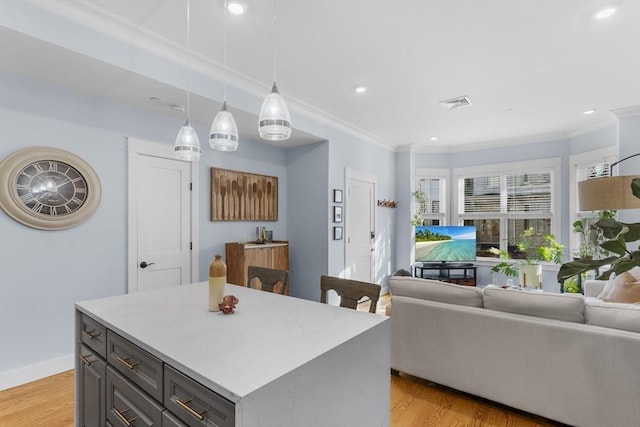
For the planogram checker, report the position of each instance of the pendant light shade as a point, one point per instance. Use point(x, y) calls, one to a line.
point(224, 132)
point(274, 122)
point(187, 146)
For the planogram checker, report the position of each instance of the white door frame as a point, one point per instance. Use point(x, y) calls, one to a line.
point(372, 179)
point(135, 148)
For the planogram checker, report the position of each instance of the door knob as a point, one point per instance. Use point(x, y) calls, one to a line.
point(145, 264)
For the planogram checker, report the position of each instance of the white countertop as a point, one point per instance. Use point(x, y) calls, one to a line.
point(268, 336)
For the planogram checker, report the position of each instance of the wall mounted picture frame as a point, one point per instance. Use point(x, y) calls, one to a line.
point(243, 196)
point(337, 233)
point(337, 214)
point(337, 196)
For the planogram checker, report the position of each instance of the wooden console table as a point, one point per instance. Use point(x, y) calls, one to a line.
point(458, 273)
point(239, 256)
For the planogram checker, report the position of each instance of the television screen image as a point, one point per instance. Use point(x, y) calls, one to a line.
point(440, 243)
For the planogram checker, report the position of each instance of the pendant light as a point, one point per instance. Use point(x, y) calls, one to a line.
point(223, 135)
point(187, 146)
point(274, 122)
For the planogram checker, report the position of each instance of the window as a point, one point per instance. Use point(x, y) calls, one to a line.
point(587, 165)
point(502, 201)
point(432, 183)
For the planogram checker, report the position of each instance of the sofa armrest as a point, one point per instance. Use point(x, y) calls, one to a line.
point(593, 288)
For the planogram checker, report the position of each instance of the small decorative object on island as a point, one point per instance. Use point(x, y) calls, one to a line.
point(228, 304)
point(529, 269)
point(217, 281)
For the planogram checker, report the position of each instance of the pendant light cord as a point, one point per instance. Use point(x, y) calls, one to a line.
point(224, 51)
point(275, 40)
point(188, 58)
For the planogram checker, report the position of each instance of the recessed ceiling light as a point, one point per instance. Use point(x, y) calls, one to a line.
point(587, 112)
point(154, 99)
point(604, 13)
point(177, 107)
point(433, 138)
point(237, 8)
point(361, 89)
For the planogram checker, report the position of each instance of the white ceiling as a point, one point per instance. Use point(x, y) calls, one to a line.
point(530, 67)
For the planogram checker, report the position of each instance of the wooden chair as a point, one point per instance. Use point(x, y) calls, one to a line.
point(268, 279)
point(350, 291)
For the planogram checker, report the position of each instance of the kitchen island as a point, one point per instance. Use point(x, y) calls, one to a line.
point(276, 361)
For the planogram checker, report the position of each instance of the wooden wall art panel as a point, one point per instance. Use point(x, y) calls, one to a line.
point(242, 196)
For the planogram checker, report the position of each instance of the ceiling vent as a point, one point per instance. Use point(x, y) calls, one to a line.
point(461, 101)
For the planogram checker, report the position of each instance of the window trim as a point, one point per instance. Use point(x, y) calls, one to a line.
point(443, 175)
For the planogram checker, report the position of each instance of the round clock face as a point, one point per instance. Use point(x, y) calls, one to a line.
point(48, 188)
point(51, 188)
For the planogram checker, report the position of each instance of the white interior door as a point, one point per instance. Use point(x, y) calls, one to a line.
point(160, 222)
point(360, 228)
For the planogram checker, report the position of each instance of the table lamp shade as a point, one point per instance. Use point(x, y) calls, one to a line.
point(610, 193)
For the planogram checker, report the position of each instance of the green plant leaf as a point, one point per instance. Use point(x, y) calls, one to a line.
point(616, 246)
point(574, 268)
point(610, 227)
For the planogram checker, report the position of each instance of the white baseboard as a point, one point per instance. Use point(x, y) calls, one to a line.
point(35, 372)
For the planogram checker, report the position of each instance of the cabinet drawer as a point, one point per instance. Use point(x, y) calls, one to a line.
point(127, 405)
point(143, 369)
point(195, 404)
point(93, 335)
point(170, 420)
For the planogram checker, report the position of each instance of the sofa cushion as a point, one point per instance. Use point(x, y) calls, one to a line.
point(612, 315)
point(567, 307)
point(434, 290)
point(625, 289)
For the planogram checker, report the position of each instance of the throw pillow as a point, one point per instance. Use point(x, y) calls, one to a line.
point(635, 272)
point(625, 289)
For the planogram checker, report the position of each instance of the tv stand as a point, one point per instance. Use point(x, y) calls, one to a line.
point(458, 273)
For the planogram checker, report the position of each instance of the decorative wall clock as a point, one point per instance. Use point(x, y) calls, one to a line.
point(48, 188)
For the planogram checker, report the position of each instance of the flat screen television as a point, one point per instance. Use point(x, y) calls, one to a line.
point(445, 243)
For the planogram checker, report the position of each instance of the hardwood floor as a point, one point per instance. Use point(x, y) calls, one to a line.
point(414, 402)
point(44, 403)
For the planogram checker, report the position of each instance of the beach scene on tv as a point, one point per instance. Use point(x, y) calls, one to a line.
point(445, 243)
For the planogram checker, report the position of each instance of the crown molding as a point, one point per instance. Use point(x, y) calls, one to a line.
point(609, 121)
point(483, 145)
point(627, 111)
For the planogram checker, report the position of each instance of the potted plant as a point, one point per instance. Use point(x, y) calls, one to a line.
point(591, 235)
point(617, 235)
point(529, 268)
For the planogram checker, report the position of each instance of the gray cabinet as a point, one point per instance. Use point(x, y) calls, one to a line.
point(194, 404)
point(137, 365)
point(93, 334)
point(126, 403)
point(91, 393)
point(120, 384)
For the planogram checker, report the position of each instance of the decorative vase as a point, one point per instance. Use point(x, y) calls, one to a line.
point(217, 281)
point(531, 276)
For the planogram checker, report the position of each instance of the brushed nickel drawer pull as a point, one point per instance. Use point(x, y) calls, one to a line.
point(189, 409)
point(123, 418)
point(126, 363)
point(84, 360)
point(91, 335)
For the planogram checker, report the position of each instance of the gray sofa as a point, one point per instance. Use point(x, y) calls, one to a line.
point(561, 356)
